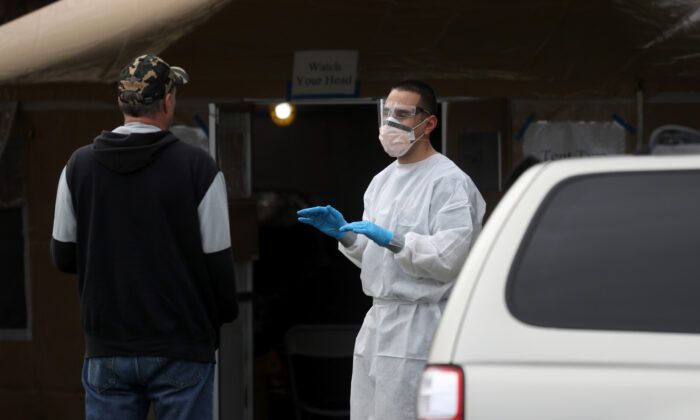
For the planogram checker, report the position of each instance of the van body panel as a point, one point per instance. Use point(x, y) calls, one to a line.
point(581, 392)
point(521, 371)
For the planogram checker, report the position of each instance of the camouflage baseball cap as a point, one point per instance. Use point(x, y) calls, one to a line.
point(147, 79)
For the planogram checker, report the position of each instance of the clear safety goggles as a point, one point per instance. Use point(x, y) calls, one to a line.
point(394, 114)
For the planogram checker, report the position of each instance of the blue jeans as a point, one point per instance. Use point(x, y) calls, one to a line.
point(122, 388)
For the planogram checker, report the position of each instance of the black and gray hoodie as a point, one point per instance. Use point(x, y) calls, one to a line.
point(143, 219)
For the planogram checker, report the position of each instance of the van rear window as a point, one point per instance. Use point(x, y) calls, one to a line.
point(615, 251)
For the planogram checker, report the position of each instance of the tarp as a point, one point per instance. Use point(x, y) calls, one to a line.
point(536, 48)
point(91, 40)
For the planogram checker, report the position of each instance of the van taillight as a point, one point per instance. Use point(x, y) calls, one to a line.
point(441, 393)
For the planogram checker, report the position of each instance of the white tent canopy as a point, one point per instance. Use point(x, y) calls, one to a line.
point(90, 40)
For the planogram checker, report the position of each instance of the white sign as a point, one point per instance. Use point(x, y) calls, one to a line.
point(324, 73)
point(548, 140)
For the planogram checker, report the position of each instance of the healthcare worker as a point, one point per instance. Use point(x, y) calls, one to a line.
point(421, 216)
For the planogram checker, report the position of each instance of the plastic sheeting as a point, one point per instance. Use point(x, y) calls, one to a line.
point(90, 40)
point(596, 48)
point(547, 140)
point(534, 48)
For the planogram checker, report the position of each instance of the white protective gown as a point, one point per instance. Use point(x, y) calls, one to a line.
point(438, 210)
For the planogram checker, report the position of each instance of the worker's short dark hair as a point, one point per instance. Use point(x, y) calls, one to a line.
point(427, 96)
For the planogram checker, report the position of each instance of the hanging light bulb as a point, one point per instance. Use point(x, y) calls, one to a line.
point(283, 113)
point(283, 110)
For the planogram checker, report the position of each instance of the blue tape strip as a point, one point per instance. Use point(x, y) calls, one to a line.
point(519, 135)
point(200, 123)
point(624, 124)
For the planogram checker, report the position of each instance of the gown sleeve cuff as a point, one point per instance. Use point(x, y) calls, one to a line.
point(396, 244)
point(348, 239)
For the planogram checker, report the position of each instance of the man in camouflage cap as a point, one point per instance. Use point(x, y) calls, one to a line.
point(142, 218)
point(148, 78)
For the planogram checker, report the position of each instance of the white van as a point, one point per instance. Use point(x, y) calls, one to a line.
point(580, 299)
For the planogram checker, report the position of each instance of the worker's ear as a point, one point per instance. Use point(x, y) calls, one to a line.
point(430, 124)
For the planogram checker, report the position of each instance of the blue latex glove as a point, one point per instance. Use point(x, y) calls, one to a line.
point(372, 231)
point(326, 219)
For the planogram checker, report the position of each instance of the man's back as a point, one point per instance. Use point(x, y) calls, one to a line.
point(142, 218)
point(142, 273)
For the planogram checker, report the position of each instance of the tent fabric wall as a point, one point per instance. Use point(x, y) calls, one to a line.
point(537, 48)
point(41, 377)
